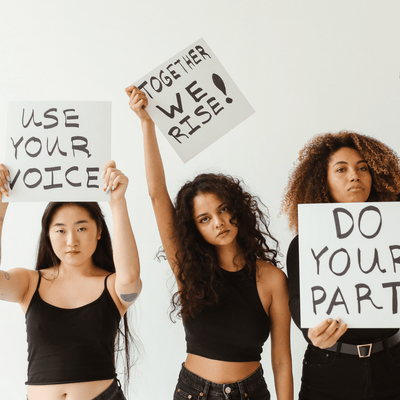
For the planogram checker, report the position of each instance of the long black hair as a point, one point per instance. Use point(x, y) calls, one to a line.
point(102, 258)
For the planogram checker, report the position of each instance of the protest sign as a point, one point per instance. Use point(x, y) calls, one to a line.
point(350, 264)
point(56, 150)
point(193, 100)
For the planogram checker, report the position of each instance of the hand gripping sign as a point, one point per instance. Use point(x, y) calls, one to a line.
point(56, 151)
point(350, 264)
point(193, 100)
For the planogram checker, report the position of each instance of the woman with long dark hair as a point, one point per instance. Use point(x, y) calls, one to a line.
point(342, 168)
point(75, 299)
point(231, 294)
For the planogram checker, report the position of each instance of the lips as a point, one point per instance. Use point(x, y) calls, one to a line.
point(355, 188)
point(222, 233)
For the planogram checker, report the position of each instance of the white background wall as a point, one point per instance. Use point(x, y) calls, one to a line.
point(305, 66)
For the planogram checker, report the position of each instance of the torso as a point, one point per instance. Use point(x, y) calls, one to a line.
point(71, 292)
point(228, 372)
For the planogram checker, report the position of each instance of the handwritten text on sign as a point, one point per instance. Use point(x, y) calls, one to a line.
point(56, 151)
point(193, 100)
point(350, 263)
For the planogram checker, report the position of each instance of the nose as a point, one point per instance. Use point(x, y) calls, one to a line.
point(354, 176)
point(72, 240)
point(219, 222)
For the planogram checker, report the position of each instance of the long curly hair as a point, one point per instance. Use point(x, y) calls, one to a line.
point(102, 258)
point(197, 260)
point(308, 179)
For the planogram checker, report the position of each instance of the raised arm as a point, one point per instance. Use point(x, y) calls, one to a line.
point(14, 284)
point(162, 205)
point(126, 259)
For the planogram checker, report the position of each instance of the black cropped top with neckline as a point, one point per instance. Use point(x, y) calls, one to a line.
point(71, 345)
point(234, 329)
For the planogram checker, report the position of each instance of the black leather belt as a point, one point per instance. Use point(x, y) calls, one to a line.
point(365, 350)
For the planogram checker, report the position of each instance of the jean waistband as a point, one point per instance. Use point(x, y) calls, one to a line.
point(212, 388)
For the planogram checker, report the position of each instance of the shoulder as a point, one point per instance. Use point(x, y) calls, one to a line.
point(270, 277)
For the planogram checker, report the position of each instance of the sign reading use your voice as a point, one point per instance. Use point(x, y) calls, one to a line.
point(56, 151)
point(350, 264)
point(193, 100)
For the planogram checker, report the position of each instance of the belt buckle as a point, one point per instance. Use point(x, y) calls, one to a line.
point(359, 346)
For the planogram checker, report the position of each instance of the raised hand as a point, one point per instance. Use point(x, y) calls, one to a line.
point(114, 181)
point(138, 102)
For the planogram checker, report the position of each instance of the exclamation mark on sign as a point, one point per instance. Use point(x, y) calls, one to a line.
point(219, 83)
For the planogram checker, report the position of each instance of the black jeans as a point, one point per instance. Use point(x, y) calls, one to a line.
point(194, 387)
point(337, 376)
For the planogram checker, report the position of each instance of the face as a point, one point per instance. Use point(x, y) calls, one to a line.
point(73, 235)
point(212, 217)
point(349, 179)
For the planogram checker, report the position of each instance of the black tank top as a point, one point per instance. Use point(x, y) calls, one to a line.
point(71, 345)
point(235, 328)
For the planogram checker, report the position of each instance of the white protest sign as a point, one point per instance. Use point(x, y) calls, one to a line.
point(193, 100)
point(56, 150)
point(350, 264)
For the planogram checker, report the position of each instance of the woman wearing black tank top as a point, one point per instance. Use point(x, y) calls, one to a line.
point(343, 167)
point(230, 291)
point(74, 305)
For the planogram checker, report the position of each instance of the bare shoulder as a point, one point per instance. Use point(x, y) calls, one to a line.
point(270, 276)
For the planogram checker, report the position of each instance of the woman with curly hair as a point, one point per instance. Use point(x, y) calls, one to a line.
point(230, 292)
point(343, 167)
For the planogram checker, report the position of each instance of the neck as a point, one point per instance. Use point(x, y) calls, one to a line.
point(230, 257)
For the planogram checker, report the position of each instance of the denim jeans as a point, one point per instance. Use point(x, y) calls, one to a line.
point(194, 387)
point(337, 376)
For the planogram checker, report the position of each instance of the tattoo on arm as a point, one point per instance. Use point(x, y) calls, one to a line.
point(6, 274)
point(131, 297)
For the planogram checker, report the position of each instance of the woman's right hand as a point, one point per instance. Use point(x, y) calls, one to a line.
point(4, 179)
point(138, 102)
point(327, 333)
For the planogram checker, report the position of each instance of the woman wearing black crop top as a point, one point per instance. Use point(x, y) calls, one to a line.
point(74, 303)
point(230, 291)
point(343, 167)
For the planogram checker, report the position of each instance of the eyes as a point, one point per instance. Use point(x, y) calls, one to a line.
point(206, 219)
point(362, 168)
point(61, 231)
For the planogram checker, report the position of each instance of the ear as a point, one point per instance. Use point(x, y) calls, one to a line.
point(99, 230)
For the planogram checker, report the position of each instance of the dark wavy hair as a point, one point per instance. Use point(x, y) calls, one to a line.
point(102, 258)
point(197, 261)
point(308, 179)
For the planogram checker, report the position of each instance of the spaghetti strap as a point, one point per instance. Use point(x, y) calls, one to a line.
point(105, 280)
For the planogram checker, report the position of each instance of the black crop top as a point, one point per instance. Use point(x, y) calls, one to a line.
point(352, 336)
point(235, 328)
point(71, 345)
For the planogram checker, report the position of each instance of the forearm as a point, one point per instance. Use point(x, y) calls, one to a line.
point(283, 380)
point(3, 209)
point(153, 163)
point(126, 258)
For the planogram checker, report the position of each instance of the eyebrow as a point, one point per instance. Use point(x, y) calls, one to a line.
point(345, 162)
point(218, 208)
point(82, 221)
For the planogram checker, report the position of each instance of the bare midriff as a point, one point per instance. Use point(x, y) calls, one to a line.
point(220, 371)
point(68, 391)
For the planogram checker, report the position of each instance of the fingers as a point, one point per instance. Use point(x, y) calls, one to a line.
point(4, 180)
point(113, 177)
point(327, 333)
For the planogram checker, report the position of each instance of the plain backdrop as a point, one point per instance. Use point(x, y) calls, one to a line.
point(306, 67)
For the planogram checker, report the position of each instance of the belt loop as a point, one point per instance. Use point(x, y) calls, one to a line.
point(242, 391)
point(204, 394)
point(339, 347)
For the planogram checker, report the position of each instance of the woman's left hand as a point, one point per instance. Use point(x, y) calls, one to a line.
point(114, 181)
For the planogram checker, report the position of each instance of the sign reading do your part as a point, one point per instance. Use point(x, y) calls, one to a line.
point(193, 100)
point(56, 151)
point(350, 264)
